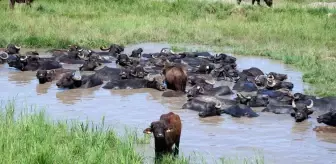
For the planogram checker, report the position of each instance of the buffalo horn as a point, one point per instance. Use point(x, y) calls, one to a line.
point(25, 58)
point(311, 104)
point(218, 104)
point(293, 104)
point(212, 82)
point(76, 78)
point(17, 47)
point(4, 53)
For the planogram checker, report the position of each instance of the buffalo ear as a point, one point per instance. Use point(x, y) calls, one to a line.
point(147, 131)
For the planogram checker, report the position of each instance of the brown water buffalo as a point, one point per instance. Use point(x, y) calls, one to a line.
point(12, 3)
point(176, 77)
point(167, 132)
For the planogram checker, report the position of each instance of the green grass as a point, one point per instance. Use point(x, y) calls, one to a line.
point(30, 136)
point(290, 31)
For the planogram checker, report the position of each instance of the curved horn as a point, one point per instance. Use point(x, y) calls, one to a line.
point(257, 77)
point(164, 50)
point(218, 104)
point(311, 104)
point(81, 55)
point(26, 57)
point(4, 58)
point(153, 56)
point(210, 82)
point(77, 78)
point(271, 85)
point(293, 104)
point(17, 47)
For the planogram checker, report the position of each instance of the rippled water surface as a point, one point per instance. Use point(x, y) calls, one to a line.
point(277, 137)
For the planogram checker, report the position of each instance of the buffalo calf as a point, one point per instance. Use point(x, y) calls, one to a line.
point(167, 132)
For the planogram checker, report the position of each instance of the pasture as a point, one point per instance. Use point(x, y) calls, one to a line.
point(299, 34)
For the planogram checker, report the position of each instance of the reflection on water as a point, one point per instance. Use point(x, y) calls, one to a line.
point(278, 137)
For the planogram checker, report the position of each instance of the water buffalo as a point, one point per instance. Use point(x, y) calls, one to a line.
point(137, 53)
point(277, 76)
point(224, 59)
point(244, 84)
point(167, 132)
point(253, 101)
point(206, 82)
point(70, 81)
point(325, 104)
point(133, 72)
point(253, 71)
point(91, 64)
point(225, 71)
point(12, 3)
point(205, 108)
point(11, 49)
point(114, 49)
point(268, 2)
point(275, 84)
point(240, 110)
point(176, 78)
point(301, 110)
point(123, 60)
point(32, 63)
point(156, 82)
point(107, 73)
point(45, 76)
point(217, 91)
point(328, 118)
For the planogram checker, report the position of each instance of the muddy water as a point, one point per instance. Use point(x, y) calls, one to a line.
point(277, 137)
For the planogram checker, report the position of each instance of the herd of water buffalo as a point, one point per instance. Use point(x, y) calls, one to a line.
point(172, 73)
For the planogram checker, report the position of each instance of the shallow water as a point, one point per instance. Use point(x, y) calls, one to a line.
point(277, 137)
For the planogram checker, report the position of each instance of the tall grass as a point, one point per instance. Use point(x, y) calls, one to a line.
point(31, 137)
point(290, 31)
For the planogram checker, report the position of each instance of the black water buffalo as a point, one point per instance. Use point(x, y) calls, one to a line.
point(240, 110)
point(11, 49)
point(12, 3)
point(328, 118)
point(107, 73)
point(269, 3)
point(217, 91)
point(133, 72)
point(273, 84)
point(123, 60)
point(136, 53)
point(253, 71)
point(91, 64)
point(69, 80)
point(45, 76)
point(167, 132)
point(205, 108)
point(277, 76)
point(32, 63)
point(302, 110)
point(325, 104)
point(253, 101)
point(203, 69)
point(244, 84)
point(113, 49)
point(156, 82)
point(224, 59)
point(205, 81)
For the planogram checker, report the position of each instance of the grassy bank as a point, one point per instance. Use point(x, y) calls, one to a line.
point(31, 137)
point(304, 37)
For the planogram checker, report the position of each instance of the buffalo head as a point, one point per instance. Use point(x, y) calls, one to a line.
point(301, 110)
point(159, 129)
point(69, 80)
point(157, 81)
point(3, 56)
point(328, 118)
point(45, 76)
point(90, 64)
point(211, 109)
point(13, 49)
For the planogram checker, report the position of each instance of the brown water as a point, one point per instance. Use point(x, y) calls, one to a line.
point(277, 137)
